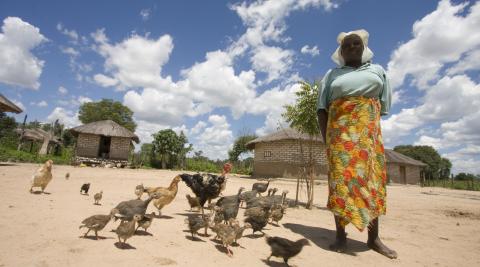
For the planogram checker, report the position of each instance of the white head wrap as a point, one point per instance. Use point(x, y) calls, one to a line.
point(367, 53)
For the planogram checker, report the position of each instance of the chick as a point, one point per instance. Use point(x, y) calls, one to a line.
point(126, 229)
point(239, 230)
point(226, 233)
point(97, 222)
point(139, 191)
point(146, 221)
point(193, 202)
point(257, 217)
point(277, 212)
point(284, 248)
point(97, 197)
point(198, 222)
point(67, 176)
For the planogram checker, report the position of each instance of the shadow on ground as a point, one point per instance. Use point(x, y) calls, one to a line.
point(322, 238)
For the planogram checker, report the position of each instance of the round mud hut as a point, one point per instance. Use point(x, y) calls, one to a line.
point(103, 142)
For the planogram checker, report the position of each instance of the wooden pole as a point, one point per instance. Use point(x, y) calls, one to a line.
point(23, 132)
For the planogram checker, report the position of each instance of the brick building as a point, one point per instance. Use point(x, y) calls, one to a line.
point(280, 154)
point(103, 141)
point(402, 169)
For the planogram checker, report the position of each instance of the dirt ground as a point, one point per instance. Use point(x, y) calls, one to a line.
point(426, 226)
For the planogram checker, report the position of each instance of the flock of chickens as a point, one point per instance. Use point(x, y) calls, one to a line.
point(221, 217)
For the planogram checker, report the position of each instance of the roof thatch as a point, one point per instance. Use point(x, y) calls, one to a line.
point(8, 106)
point(395, 157)
point(105, 128)
point(37, 135)
point(284, 134)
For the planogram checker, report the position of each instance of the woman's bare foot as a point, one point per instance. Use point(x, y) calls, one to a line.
point(379, 247)
point(340, 244)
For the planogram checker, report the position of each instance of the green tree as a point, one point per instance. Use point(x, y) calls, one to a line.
point(302, 116)
point(445, 168)
point(107, 109)
point(8, 137)
point(427, 155)
point(170, 147)
point(240, 146)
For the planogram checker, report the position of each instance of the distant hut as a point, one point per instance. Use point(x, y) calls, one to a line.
point(103, 142)
point(31, 136)
point(280, 154)
point(402, 169)
point(8, 106)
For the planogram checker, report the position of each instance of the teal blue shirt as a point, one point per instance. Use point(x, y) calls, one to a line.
point(369, 80)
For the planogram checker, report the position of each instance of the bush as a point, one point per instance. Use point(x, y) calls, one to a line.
point(7, 154)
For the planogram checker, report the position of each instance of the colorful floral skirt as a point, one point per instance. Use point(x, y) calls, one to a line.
point(356, 158)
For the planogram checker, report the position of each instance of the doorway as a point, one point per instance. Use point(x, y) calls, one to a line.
point(403, 175)
point(104, 147)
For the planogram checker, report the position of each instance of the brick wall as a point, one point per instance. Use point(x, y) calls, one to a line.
point(412, 173)
point(281, 158)
point(119, 148)
point(87, 145)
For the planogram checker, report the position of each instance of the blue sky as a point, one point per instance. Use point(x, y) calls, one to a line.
point(213, 68)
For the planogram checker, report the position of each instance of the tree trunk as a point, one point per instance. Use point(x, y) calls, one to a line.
point(44, 149)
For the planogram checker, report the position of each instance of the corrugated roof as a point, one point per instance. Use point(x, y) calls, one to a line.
point(106, 128)
point(284, 134)
point(395, 157)
point(8, 106)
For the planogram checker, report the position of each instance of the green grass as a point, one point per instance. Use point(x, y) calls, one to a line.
point(8, 154)
point(473, 185)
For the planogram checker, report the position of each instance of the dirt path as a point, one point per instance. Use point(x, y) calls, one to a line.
point(427, 227)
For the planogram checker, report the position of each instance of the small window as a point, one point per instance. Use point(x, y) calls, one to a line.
point(267, 154)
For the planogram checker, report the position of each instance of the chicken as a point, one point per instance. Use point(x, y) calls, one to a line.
point(166, 195)
point(97, 197)
point(193, 202)
point(226, 233)
point(197, 222)
point(218, 215)
point(228, 167)
point(246, 196)
point(205, 188)
point(126, 229)
point(67, 176)
point(146, 221)
point(84, 189)
point(284, 248)
point(42, 176)
point(229, 205)
point(127, 209)
point(277, 212)
point(97, 222)
point(139, 191)
point(267, 201)
point(239, 230)
point(257, 217)
point(261, 187)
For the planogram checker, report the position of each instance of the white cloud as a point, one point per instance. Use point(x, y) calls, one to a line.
point(70, 51)
point(19, 66)
point(136, 61)
point(105, 81)
point(441, 37)
point(198, 127)
point(145, 14)
point(275, 61)
point(19, 104)
point(66, 117)
point(72, 34)
point(215, 140)
point(62, 90)
point(41, 104)
point(74, 101)
point(313, 51)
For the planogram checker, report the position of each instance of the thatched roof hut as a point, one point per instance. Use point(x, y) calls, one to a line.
point(285, 152)
point(106, 128)
point(284, 134)
point(8, 106)
point(103, 141)
point(36, 135)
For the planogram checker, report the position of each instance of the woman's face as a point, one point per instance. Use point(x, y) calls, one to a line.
point(352, 48)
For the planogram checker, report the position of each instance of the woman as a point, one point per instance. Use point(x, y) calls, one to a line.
point(353, 97)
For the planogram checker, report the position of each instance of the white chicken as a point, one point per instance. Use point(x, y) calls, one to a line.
point(42, 176)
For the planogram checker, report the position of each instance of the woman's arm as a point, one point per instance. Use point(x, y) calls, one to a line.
point(322, 117)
